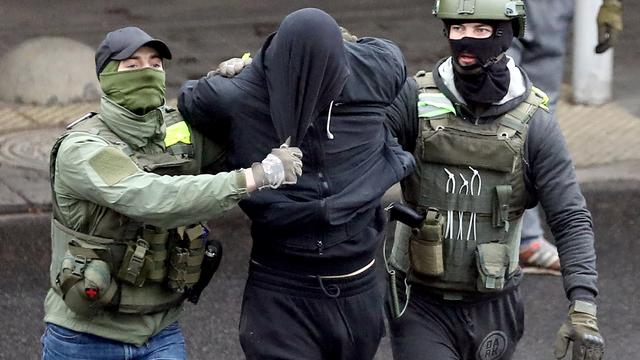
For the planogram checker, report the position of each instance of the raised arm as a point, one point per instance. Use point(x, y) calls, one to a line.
point(203, 105)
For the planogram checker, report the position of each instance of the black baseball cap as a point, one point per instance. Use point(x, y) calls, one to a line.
point(122, 43)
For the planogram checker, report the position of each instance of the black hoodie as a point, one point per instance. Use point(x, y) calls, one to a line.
point(330, 97)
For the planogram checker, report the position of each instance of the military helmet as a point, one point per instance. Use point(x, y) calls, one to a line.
point(475, 10)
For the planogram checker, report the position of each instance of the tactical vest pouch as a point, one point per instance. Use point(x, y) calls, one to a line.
point(85, 284)
point(177, 269)
point(185, 262)
point(135, 267)
point(492, 260)
point(425, 245)
point(156, 257)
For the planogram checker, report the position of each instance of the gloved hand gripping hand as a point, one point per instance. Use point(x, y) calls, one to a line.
point(232, 67)
point(282, 166)
point(581, 328)
point(347, 35)
point(609, 24)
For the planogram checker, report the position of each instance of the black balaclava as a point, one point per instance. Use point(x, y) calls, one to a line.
point(486, 81)
point(306, 68)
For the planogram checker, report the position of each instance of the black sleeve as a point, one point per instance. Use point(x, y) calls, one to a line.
point(402, 116)
point(552, 175)
point(202, 104)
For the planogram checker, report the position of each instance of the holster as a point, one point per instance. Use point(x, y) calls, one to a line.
point(425, 245)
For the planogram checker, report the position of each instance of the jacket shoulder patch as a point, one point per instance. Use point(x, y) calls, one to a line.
point(112, 165)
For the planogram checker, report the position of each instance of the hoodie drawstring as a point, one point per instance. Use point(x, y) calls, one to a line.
point(329, 134)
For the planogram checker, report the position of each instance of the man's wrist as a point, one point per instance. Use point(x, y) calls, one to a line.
point(582, 293)
point(250, 181)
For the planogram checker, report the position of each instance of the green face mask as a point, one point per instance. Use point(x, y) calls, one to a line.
point(139, 91)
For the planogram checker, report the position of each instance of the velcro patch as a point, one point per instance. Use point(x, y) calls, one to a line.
point(112, 165)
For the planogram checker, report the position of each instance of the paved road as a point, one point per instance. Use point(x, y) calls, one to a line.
point(211, 327)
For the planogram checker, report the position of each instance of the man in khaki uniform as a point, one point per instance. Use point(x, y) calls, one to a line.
point(125, 250)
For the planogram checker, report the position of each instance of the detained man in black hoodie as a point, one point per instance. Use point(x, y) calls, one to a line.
point(311, 291)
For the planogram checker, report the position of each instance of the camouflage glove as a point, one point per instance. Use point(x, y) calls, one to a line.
point(282, 166)
point(581, 327)
point(347, 36)
point(609, 24)
point(232, 67)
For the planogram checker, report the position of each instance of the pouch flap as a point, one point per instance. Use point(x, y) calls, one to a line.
point(448, 146)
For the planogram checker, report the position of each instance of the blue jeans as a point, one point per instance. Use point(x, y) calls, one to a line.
point(62, 343)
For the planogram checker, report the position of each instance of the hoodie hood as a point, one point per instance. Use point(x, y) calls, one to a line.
point(305, 68)
point(519, 86)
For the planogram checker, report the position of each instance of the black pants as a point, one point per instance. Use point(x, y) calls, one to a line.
point(285, 316)
point(435, 329)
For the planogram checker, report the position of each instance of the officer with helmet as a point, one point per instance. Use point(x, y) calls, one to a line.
point(486, 148)
point(127, 243)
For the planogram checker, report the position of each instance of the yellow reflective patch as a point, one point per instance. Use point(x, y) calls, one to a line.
point(246, 56)
point(434, 104)
point(545, 98)
point(178, 132)
point(112, 165)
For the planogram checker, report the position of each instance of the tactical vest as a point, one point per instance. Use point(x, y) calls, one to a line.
point(469, 182)
point(120, 264)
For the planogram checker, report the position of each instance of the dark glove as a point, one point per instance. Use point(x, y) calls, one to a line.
point(609, 24)
point(581, 328)
point(232, 67)
point(282, 166)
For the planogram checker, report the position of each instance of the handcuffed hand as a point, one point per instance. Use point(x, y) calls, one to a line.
point(581, 328)
point(609, 24)
point(282, 166)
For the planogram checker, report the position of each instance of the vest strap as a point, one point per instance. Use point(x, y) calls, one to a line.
point(516, 120)
point(82, 236)
point(425, 80)
point(501, 209)
point(77, 274)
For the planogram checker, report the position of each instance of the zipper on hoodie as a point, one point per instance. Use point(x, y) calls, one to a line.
point(315, 133)
point(324, 190)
